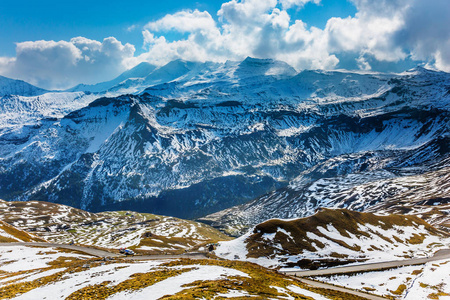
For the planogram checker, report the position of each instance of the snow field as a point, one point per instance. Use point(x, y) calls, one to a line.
point(22, 258)
point(420, 281)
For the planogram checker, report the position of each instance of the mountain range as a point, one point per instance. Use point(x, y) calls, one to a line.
point(240, 142)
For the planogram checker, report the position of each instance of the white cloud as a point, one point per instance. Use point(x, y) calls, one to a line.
point(62, 64)
point(184, 21)
point(426, 34)
point(257, 28)
point(385, 30)
point(286, 4)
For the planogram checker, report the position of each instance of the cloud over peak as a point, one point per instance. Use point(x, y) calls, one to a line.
point(62, 64)
point(385, 30)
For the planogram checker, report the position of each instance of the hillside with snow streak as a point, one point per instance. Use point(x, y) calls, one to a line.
point(335, 237)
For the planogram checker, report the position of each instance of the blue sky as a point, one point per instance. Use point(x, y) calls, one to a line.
point(31, 20)
point(57, 44)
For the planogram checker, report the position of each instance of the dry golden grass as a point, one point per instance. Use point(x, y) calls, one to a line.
point(401, 288)
point(136, 282)
point(71, 265)
point(416, 272)
point(20, 235)
point(260, 284)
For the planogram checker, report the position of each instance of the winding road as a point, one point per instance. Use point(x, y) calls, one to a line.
point(102, 253)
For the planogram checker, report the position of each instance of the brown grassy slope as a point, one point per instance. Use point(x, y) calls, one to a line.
point(19, 235)
point(343, 220)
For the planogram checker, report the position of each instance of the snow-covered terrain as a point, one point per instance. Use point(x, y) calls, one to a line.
point(414, 191)
point(197, 138)
point(140, 71)
point(47, 273)
point(413, 282)
point(22, 258)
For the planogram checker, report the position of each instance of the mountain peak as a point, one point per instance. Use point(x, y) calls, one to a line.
point(139, 71)
point(267, 66)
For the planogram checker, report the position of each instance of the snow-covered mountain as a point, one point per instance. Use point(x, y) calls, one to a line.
point(139, 71)
point(196, 138)
point(10, 86)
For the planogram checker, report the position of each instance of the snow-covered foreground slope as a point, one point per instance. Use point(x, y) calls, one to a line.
point(47, 273)
point(145, 233)
point(334, 237)
point(429, 281)
point(203, 137)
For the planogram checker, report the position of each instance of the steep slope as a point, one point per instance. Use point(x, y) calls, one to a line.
point(10, 86)
point(9, 234)
point(333, 237)
point(220, 135)
point(145, 233)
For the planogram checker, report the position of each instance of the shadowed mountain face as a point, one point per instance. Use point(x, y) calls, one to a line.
point(205, 137)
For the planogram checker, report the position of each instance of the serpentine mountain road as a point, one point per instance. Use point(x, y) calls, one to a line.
point(441, 254)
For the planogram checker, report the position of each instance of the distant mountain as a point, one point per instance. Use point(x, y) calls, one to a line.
point(199, 138)
point(179, 72)
point(10, 86)
point(140, 71)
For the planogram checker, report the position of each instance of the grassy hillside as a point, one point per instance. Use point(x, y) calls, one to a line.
point(10, 234)
point(340, 236)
